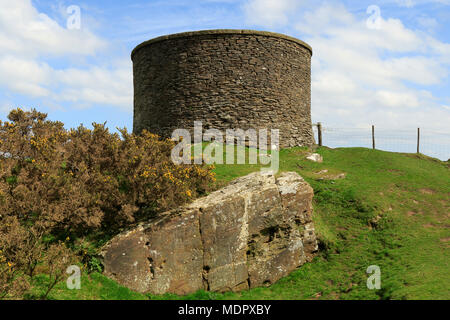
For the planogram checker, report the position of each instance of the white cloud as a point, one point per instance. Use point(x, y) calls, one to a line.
point(29, 38)
point(362, 76)
point(269, 12)
point(26, 31)
point(419, 69)
point(428, 23)
point(325, 17)
point(337, 23)
point(406, 3)
point(6, 106)
point(397, 99)
point(441, 49)
point(24, 76)
point(412, 3)
point(98, 85)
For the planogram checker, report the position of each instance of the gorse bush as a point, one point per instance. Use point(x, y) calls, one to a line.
point(56, 182)
point(22, 248)
point(81, 179)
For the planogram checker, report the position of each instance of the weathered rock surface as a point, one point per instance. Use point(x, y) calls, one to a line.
point(315, 157)
point(250, 233)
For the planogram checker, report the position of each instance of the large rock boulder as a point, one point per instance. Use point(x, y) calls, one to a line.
point(250, 233)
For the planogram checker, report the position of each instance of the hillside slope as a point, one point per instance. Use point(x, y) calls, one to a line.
point(391, 210)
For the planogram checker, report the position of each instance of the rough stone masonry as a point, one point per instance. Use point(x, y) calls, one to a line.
point(248, 234)
point(226, 79)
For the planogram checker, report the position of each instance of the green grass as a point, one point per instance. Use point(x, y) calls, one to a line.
point(94, 286)
point(391, 210)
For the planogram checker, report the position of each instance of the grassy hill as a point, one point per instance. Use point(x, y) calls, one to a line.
point(391, 210)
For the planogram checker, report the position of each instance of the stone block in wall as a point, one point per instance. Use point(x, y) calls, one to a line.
point(222, 77)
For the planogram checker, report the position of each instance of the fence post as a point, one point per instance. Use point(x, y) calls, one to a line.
point(418, 140)
point(373, 137)
point(319, 132)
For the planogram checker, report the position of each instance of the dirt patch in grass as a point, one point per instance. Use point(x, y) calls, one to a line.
point(393, 172)
point(444, 203)
point(427, 191)
point(325, 174)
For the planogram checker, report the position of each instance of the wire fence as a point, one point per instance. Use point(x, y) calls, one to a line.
point(431, 143)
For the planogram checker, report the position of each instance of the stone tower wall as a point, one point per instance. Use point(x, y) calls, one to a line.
point(227, 79)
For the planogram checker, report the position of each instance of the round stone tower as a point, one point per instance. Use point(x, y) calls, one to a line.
point(227, 79)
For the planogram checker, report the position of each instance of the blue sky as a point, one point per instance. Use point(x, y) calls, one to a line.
point(393, 75)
